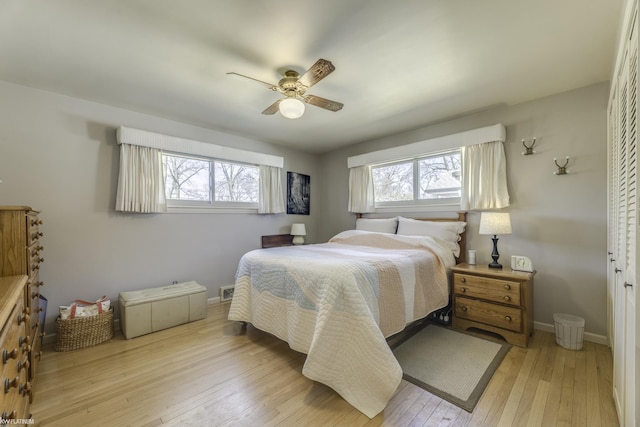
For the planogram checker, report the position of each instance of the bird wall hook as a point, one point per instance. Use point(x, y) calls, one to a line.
point(562, 169)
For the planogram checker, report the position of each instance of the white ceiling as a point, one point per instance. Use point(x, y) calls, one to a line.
point(400, 64)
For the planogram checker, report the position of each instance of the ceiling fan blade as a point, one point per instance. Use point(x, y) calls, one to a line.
point(321, 69)
point(273, 108)
point(327, 104)
point(271, 86)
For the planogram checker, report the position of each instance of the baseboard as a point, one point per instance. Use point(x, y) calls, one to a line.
point(588, 336)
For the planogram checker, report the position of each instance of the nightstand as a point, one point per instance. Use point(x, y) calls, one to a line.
point(494, 300)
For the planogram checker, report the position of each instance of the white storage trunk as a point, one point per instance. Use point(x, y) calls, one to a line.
point(151, 310)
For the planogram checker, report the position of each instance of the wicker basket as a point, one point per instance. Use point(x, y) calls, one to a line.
point(81, 332)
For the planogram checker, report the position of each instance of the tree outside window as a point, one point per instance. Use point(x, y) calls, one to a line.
point(205, 180)
point(418, 179)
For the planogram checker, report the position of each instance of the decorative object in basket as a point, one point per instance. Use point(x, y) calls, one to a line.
point(80, 332)
point(82, 308)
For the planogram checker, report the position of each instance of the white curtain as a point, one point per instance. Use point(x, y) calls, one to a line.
point(270, 199)
point(140, 181)
point(484, 177)
point(361, 196)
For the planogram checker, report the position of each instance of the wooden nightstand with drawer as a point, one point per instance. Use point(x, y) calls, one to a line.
point(494, 300)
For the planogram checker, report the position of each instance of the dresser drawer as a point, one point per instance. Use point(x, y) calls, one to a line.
point(14, 351)
point(33, 229)
point(498, 290)
point(488, 313)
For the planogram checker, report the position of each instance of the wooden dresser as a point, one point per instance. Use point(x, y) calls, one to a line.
point(494, 300)
point(15, 348)
point(21, 254)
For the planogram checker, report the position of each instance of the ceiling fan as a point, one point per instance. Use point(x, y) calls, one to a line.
point(294, 88)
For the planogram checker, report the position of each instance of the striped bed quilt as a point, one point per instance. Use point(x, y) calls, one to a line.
point(338, 301)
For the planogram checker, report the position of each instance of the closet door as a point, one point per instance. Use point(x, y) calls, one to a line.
point(620, 233)
point(630, 279)
point(623, 223)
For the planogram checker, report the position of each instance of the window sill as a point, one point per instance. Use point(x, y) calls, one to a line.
point(210, 210)
point(418, 208)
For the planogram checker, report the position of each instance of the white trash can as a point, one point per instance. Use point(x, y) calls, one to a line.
point(569, 331)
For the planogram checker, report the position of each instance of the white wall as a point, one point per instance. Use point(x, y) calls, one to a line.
point(558, 221)
point(59, 155)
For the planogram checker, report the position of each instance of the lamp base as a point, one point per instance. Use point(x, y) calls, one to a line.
point(495, 255)
point(298, 240)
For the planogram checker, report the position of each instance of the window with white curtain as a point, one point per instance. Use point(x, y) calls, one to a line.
point(425, 180)
point(159, 171)
point(466, 170)
point(199, 181)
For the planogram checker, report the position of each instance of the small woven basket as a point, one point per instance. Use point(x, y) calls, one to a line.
point(81, 332)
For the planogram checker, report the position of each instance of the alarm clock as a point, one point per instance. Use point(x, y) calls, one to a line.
point(521, 263)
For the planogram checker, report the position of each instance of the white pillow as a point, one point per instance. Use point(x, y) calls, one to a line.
point(386, 225)
point(447, 231)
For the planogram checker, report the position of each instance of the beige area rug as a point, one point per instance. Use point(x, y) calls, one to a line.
point(453, 365)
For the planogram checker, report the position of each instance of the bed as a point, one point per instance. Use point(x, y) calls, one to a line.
point(339, 301)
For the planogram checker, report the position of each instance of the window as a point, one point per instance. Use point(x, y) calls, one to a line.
point(423, 180)
point(200, 181)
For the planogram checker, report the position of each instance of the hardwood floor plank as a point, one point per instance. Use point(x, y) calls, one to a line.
point(579, 404)
point(211, 373)
point(536, 416)
point(565, 409)
point(555, 390)
point(515, 396)
point(604, 361)
point(593, 416)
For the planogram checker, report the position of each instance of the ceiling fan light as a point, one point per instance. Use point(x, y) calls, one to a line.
point(291, 108)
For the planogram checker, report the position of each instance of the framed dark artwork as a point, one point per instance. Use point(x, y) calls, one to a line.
point(298, 193)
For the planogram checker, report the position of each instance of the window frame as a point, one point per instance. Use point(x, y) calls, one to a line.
point(198, 206)
point(417, 204)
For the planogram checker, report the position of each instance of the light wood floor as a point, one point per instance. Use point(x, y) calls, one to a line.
point(206, 374)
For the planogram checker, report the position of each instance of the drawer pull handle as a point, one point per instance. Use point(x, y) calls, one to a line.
point(36, 222)
point(463, 308)
point(463, 280)
point(25, 389)
point(24, 340)
point(8, 384)
point(463, 290)
point(10, 416)
point(6, 355)
point(507, 286)
point(35, 295)
point(22, 365)
point(22, 318)
point(40, 283)
point(507, 298)
point(35, 236)
point(507, 318)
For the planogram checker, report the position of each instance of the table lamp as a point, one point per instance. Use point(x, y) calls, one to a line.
point(298, 231)
point(495, 223)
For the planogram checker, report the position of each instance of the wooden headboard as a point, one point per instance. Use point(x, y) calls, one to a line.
point(461, 216)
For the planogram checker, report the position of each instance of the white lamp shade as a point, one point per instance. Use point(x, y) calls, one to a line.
point(298, 230)
point(291, 108)
point(495, 223)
